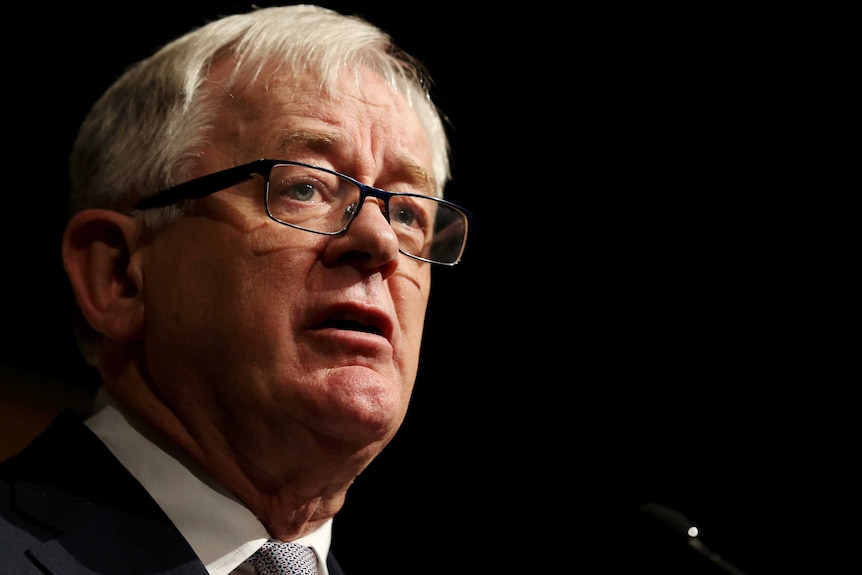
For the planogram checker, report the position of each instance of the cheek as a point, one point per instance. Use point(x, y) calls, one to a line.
point(411, 302)
point(187, 293)
point(205, 278)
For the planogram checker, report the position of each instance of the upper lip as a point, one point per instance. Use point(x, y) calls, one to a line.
point(355, 316)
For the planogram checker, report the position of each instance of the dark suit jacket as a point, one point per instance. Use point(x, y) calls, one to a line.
point(68, 506)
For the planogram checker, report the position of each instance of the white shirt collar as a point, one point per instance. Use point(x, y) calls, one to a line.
point(221, 531)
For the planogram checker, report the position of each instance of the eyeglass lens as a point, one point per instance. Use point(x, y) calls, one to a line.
point(319, 201)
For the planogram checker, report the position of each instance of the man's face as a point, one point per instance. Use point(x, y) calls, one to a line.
point(279, 337)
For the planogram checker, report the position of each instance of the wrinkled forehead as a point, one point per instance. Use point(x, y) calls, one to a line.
point(260, 92)
point(360, 105)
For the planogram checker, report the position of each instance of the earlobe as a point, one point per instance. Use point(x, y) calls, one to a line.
point(96, 250)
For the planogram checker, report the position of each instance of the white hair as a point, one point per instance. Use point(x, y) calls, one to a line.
point(141, 134)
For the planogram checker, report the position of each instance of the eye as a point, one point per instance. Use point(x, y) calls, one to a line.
point(309, 197)
point(404, 215)
point(304, 185)
point(414, 213)
point(303, 192)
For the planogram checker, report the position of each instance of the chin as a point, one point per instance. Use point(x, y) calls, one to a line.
point(361, 405)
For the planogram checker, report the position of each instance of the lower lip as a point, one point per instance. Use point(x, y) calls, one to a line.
point(353, 342)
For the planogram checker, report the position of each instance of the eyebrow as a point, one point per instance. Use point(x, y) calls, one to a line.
point(315, 141)
point(322, 142)
point(419, 174)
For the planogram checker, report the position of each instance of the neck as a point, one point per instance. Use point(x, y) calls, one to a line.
point(291, 496)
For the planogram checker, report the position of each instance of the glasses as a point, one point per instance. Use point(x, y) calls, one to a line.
point(326, 202)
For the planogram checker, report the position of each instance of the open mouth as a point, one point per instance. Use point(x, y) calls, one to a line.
point(351, 318)
point(351, 325)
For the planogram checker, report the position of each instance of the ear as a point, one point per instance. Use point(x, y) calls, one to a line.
point(97, 250)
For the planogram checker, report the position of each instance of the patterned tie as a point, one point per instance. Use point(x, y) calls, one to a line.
point(277, 558)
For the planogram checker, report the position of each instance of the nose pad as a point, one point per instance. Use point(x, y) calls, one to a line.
point(369, 233)
point(381, 205)
point(351, 212)
point(368, 242)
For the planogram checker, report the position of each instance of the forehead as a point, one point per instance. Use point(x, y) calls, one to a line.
point(361, 113)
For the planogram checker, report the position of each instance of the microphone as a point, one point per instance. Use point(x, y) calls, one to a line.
point(680, 524)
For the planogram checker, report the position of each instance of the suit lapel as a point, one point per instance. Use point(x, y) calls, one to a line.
point(114, 543)
point(104, 520)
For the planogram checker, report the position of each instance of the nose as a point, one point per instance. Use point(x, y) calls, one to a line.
point(369, 242)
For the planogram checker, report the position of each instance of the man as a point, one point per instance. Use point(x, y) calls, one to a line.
point(253, 305)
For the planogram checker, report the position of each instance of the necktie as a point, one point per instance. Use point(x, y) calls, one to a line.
point(277, 558)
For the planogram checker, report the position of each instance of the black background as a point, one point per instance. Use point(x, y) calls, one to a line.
point(634, 320)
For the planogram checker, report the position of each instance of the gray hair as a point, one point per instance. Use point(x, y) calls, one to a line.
point(143, 133)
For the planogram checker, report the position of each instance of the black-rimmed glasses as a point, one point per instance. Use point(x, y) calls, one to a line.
point(325, 202)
